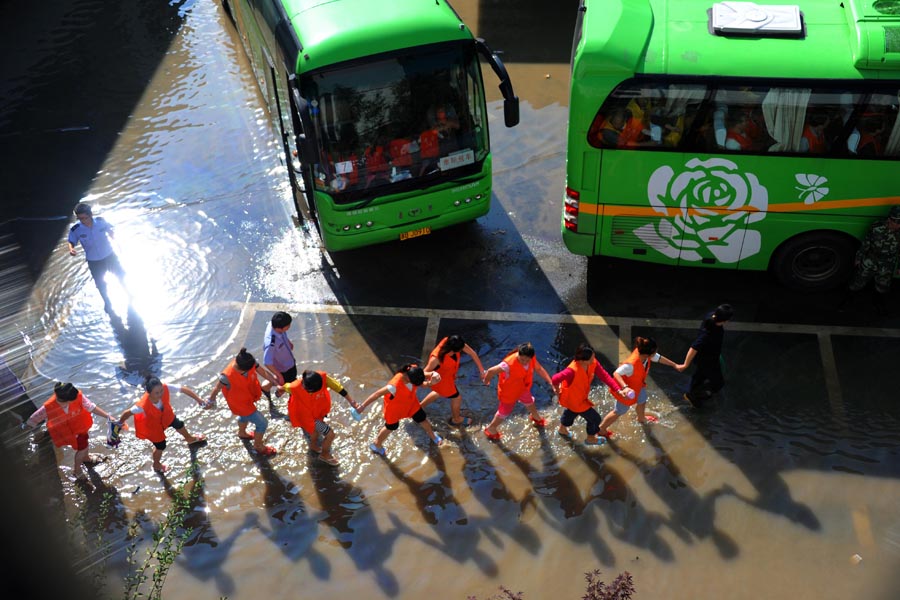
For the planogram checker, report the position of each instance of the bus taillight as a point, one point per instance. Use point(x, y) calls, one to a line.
point(571, 216)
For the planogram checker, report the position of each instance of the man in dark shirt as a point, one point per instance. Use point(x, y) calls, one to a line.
point(706, 351)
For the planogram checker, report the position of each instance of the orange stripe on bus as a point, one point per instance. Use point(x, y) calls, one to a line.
point(647, 211)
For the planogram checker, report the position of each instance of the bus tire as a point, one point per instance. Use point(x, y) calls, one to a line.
point(814, 261)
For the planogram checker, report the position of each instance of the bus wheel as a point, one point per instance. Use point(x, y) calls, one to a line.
point(814, 261)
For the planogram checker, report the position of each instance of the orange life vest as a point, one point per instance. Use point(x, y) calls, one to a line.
point(245, 390)
point(399, 150)
point(574, 396)
point(64, 426)
point(518, 381)
point(375, 160)
point(152, 423)
point(429, 144)
point(403, 403)
point(743, 141)
point(816, 142)
point(447, 369)
point(867, 139)
point(305, 408)
point(629, 135)
point(636, 381)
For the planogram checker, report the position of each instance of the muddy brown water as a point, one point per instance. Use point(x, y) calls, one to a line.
point(765, 499)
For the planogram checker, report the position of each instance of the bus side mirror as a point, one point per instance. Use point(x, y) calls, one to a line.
point(511, 111)
point(510, 100)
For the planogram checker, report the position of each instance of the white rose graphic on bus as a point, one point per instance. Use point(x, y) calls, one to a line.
point(707, 208)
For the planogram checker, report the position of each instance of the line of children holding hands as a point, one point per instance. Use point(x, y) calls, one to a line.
point(309, 403)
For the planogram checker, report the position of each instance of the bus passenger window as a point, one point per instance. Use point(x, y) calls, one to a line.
point(871, 130)
point(814, 141)
point(618, 130)
point(737, 137)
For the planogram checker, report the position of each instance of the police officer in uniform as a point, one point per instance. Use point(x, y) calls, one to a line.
point(95, 236)
point(877, 258)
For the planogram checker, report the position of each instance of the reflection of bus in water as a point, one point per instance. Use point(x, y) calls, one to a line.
point(383, 104)
point(733, 135)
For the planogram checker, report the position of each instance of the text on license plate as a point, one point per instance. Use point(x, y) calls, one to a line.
point(415, 233)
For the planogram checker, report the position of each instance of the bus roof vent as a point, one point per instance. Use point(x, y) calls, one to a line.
point(758, 20)
point(876, 44)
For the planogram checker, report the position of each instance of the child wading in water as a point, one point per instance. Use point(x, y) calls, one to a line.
point(632, 374)
point(239, 383)
point(516, 374)
point(68, 416)
point(573, 384)
point(401, 402)
point(309, 404)
point(153, 414)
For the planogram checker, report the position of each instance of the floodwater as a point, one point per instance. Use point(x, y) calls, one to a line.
point(772, 495)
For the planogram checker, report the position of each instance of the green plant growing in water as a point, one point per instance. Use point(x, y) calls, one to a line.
point(621, 588)
point(96, 544)
point(166, 544)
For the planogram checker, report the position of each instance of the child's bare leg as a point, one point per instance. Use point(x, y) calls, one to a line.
point(608, 420)
point(640, 411)
point(188, 437)
point(258, 441)
point(431, 397)
point(456, 409)
point(428, 429)
point(78, 467)
point(157, 465)
point(326, 444)
point(381, 437)
point(493, 426)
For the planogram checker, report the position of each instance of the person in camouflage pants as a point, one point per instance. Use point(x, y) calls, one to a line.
point(877, 256)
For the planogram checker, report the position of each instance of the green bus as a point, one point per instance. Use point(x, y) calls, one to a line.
point(381, 112)
point(732, 134)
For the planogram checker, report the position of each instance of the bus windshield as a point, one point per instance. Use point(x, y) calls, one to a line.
point(401, 122)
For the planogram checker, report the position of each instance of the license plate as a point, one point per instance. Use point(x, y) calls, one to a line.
point(415, 233)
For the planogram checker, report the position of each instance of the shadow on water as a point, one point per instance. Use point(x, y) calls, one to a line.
point(66, 96)
point(626, 517)
point(552, 481)
point(348, 514)
point(692, 514)
point(204, 553)
point(292, 528)
point(440, 509)
point(489, 489)
point(141, 356)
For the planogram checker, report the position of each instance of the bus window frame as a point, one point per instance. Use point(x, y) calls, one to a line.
point(865, 89)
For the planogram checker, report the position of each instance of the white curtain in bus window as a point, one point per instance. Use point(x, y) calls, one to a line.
point(682, 102)
point(784, 111)
point(892, 147)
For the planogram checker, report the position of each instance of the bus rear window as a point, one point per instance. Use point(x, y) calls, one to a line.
point(645, 115)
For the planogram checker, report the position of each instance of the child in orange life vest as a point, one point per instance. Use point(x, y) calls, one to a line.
point(400, 402)
point(632, 375)
point(68, 416)
point(444, 359)
point(309, 404)
point(516, 374)
point(240, 385)
point(153, 414)
point(573, 385)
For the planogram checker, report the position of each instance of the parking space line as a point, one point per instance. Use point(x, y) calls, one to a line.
point(563, 318)
point(431, 335)
point(832, 381)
